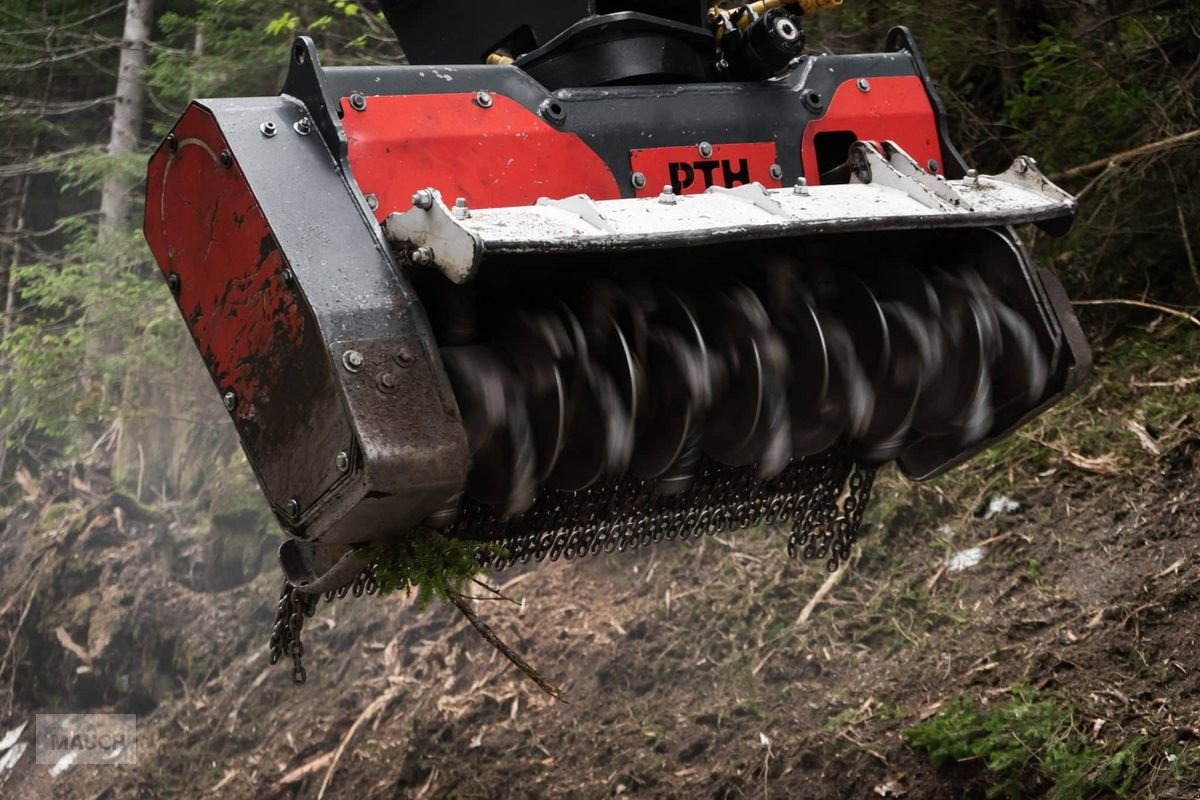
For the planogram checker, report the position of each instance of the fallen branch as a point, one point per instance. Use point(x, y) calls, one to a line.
point(1127, 155)
point(1174, 312)
point(376, 706)
point(823, 592)
point(485, 630)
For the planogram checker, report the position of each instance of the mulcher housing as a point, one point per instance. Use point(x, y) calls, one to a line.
point(290, 228)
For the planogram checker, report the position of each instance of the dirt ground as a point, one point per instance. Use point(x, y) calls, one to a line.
point(688, 670)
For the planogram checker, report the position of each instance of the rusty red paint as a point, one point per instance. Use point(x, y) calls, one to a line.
point(204, 224)
point(688, 171)
point(896, 108)
point(499, 156)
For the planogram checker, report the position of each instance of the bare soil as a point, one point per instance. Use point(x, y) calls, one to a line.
point(687, 671)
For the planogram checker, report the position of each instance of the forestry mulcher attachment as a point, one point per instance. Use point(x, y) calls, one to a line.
point(590, 274)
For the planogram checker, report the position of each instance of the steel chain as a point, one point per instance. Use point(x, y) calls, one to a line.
point(625, 515)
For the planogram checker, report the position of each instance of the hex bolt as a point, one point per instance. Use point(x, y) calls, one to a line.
point(387, 383)
point(934, 166)
point(1022, 166)
point(404, 357)
point(776, 172)
point(422, 256)
point(352, 360)
point(483, 99)
point(288, 277)
point(461, 211)
point(706, 150)
point(668, 196)
point(423, 199)
point(342, 461)
point(639, 180)
point(172, 143)
point(358, 102)
point(292, 508)
point(173, 283)
point(864, 85)
point(268, 129)
point(226, 159)
point(972, 177)
point(372, 201)
point(230, 400)
point(303, 126)
point(801, 187)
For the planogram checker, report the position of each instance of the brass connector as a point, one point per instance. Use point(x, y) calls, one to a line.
point(499, 59)
point(804, 6)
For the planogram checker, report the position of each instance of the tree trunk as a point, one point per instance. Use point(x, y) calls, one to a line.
point(127, 112)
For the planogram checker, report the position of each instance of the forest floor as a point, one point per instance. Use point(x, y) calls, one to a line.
point(1062, 664)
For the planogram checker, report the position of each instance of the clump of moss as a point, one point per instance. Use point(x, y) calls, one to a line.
point(1030, 744)
point(432, 565)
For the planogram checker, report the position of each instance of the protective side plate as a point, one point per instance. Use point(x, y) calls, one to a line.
point(253, 328)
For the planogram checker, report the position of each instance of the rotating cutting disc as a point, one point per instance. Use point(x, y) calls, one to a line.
point(959, 402)
point(599, 433)
point(499, 435)
point(1021, 372)
point(850, 400)
point(669, 408)
point(748, 422)
point(536, 343)
point(897, 394)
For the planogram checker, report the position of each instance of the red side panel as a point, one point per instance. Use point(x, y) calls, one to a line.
point(893, 108)
point(253, 328)
point(688, 172)
point(494, 157)
point(204, 225)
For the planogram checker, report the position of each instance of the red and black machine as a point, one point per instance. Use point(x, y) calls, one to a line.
point(588, 274)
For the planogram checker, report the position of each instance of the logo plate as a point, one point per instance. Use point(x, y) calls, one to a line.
point(688, 171)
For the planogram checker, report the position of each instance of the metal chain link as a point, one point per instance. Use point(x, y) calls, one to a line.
point(626, 514)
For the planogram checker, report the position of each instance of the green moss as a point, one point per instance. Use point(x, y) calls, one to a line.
point(429, 563)
point(1030, 745)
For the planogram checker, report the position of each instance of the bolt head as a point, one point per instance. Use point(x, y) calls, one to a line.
point(226, 159)
point(172, 142)
point(404, 356)
point(387, 383)
point(372, 201)
point(358, 102)
point(342, 461)
point(934, 166)
point(864, 85)
point(287, 276)
point(705, 149)
point(422, 256)
point(268, 129)
point(483, 99)
point(776, 172)
point(292, 508)
point(303, 126)
point(174, 284)
point(638, 180)
point(801, 187)
point(230, 400)
point(353, 360)
point(423, 199)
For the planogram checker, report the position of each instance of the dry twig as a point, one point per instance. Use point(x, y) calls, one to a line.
point(1127, 155)
point(485, 630)
point(1141, 304)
